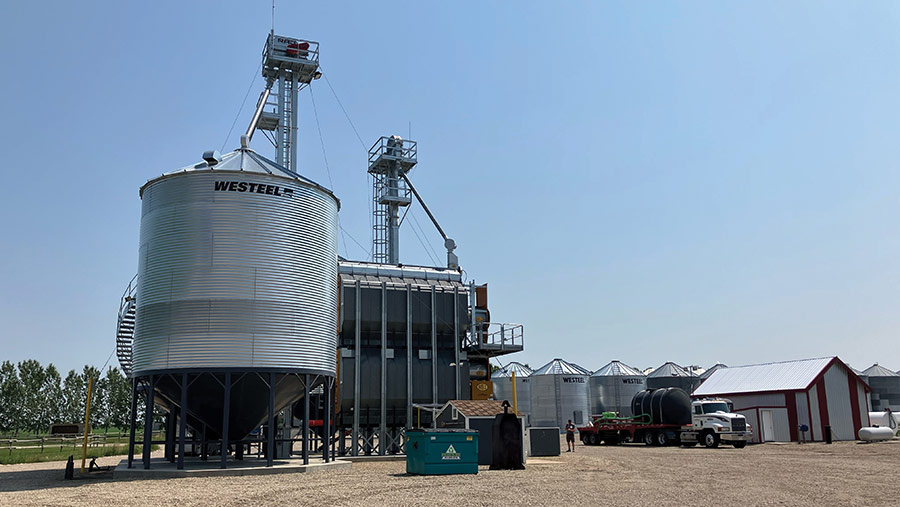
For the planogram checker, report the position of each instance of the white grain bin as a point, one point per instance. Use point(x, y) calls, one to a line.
point(613, 386)
point(559, 392)
point(237, 274)
point(885, 386)
point(502, 380)
point(671, 375)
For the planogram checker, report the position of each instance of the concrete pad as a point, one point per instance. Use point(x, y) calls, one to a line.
point(374, 458)
point(162, 469)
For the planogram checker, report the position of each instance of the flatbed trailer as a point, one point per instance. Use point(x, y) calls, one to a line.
point(622, 430)
point(617, 431)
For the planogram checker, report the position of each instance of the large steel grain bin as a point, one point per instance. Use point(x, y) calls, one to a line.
point(671, 375)
point(502, 380)
point(613, 386)
point(885, 386)
point(237, 275)
point(559, 392)
point(441, 451)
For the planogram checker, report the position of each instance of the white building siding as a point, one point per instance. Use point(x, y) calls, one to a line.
point(750, 415)
point(749, 406)
point(840, 410)
point(782, 427)
point(863, 404)
point(758, 400)
point(816, 426)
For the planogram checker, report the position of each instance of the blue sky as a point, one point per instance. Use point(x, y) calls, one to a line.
point(696, 182)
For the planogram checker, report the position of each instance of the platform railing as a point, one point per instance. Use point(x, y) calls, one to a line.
point(397, 149)
point(496, 336)
point(279, 47)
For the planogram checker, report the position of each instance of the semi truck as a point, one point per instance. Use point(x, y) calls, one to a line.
point(711, 423)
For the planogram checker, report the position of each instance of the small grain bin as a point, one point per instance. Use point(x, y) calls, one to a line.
point(502, 380)
point(559, 392)
point(671, 375)
point(613, 386)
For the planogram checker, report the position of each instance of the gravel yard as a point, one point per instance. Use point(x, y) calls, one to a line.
point(844, 473)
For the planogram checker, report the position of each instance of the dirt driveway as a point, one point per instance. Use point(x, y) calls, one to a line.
point(844, 473)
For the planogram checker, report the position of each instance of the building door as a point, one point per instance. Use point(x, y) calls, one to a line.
point(768, 426)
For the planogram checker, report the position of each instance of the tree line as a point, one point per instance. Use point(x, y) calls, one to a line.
point(33, 397)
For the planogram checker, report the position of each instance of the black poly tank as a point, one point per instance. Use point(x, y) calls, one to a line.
point(670, 405)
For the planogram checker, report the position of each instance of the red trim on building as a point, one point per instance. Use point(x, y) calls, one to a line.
point(823, 402)
point(790, 399)
point(759, 431)
point(854, 402)
point(812, 434)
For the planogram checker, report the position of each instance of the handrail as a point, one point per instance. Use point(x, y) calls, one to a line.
point(310, 53)
point(407, 150)
point(503, 336)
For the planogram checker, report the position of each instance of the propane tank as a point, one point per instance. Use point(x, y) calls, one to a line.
point(886, 419)
point(874, 434)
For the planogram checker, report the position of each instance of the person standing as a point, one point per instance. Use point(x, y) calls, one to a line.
point(570, 437)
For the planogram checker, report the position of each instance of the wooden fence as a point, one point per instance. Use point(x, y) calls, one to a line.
point(70, 441)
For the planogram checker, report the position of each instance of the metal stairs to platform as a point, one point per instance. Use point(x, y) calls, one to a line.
point(125, 327)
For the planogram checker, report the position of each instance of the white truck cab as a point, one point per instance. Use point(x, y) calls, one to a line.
point(713, 422)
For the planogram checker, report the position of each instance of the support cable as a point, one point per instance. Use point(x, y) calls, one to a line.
point(416, 221)
point(324, 75)
point(423, 245)
point(325, 159)
point(243, 102)
point(368, 253)
point(361, 143)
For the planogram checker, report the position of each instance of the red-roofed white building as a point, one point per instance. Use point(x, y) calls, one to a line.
point(778, 398)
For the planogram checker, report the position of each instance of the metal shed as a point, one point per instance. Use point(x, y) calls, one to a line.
point(475, 415)
point(777, 398)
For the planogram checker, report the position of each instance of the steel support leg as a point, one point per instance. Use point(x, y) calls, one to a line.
point(131, 422)
point(203, 455)
point(148, 423)
point(270, 430)
point(169, 446)
point(306, 419)
point(326, 420)
point(226, 406)
point(182, 426)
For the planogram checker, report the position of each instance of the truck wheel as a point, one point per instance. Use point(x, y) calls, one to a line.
point(593, 439)
point(648, 438)
point(662, 438)
point(710, 439)
point(739, 445)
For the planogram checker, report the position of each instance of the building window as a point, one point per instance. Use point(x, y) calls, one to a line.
point(454, 414)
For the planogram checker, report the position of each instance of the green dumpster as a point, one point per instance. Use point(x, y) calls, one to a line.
point(441, 451)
